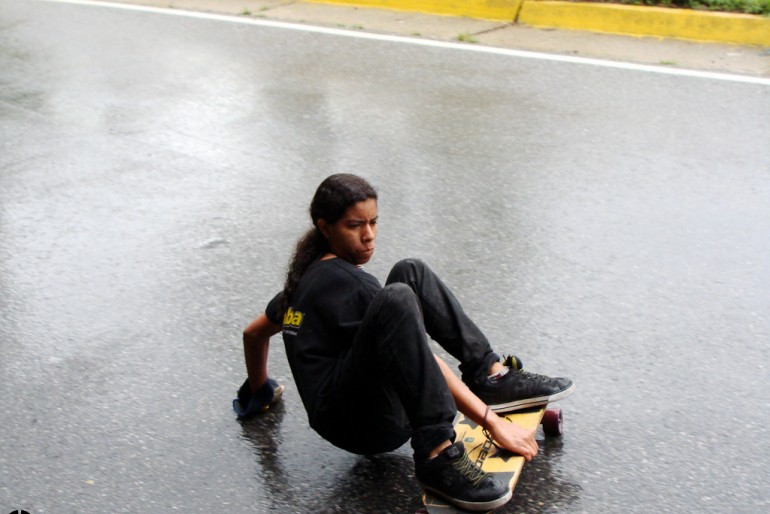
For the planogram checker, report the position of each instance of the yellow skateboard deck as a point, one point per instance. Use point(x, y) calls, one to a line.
point(505, 465)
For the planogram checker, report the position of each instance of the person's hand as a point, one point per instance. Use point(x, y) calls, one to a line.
point(512, 437)
point(248, 404)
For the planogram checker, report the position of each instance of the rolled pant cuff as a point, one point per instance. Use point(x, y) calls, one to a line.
point(425, 439)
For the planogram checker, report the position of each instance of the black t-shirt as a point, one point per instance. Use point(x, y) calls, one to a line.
point(321, 322)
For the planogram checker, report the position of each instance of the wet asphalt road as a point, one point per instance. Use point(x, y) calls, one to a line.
point(604, 224)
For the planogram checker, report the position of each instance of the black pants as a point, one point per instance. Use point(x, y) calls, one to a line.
point(388, 387)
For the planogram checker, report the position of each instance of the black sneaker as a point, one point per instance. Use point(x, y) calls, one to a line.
point(518, 389)
point(452, 476)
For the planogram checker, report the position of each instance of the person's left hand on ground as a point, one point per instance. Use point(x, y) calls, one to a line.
point(248, 404)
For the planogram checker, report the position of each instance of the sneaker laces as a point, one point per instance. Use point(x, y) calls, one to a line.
point(467, 468)
point(534, 376)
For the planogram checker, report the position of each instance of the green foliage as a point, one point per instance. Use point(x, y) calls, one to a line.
point(744, 6)
point(739, 6)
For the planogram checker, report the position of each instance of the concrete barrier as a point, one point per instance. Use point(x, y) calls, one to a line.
point(740, 29)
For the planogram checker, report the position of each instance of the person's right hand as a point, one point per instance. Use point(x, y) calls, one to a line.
point(513, 437)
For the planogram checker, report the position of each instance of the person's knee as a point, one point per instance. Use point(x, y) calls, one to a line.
point(406, 270)
point(398, 294)
point(409, 263)
point(394, 304)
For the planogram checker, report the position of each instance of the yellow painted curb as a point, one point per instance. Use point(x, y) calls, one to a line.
point(494, 10)
point(741, 29)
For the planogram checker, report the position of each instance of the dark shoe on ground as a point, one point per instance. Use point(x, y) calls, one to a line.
point(452, 476)
point(517, 389)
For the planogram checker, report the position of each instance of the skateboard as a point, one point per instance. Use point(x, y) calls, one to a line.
point(504, 465)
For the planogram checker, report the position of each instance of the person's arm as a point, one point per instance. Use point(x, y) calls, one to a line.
point(256, 342)
point(508, 435)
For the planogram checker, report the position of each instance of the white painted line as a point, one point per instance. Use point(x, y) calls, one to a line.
point(428, 42)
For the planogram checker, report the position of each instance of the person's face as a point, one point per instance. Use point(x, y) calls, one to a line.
point(352, 236)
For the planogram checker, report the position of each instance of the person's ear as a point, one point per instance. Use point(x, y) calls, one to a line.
point(323, 227)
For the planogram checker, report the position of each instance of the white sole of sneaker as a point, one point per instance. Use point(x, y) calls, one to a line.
point(532, 402)
point(472, 506)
